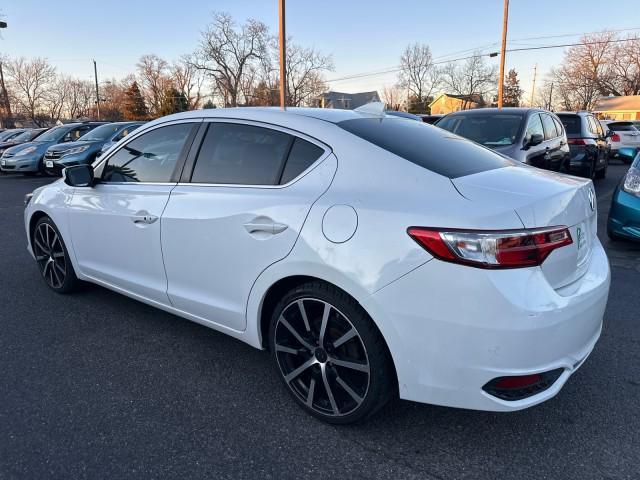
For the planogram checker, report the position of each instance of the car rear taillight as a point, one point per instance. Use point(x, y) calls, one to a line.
point(615, 137)
point(492, 249)
point(576, 141)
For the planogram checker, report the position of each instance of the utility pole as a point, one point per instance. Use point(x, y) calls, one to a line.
point(505, 21)
point(550, 96)
point(95, 74)
point(533, 86)
point(5, 100)
point(283, 59)
point(3, 91)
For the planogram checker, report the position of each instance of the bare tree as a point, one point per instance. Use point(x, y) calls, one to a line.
point(226, 52)
point(154, 80)
point(56, 98)
point(30, 81)
point(475, 79)
point(392, 96)
point(418, 74)
point(188, 80)
point(305, 73)
point(80, 98)
point(623, 72)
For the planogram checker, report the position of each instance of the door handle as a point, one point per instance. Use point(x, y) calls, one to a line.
point(143, 217)
point(265, 226)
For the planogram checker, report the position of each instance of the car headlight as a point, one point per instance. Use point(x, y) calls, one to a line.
point(25, 151)
point(631, 183)
point(74, 150)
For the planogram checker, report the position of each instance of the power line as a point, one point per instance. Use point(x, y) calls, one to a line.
point(492, 54)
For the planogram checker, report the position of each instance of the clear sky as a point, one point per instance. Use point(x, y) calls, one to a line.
point(362, 36)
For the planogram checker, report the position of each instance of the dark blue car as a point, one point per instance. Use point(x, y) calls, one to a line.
point(86, 148)
point(624, 215)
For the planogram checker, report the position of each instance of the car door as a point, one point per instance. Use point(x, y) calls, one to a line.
point(535, 154)
point(565, 152)
point(239, 208)
point(115, 227)
point(601, 143)
point(553, 150)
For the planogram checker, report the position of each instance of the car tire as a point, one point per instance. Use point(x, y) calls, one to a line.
point(330, 355)
point(52, 257)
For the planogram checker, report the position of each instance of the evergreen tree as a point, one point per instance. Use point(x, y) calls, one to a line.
point(173, 101)
point(134, 107)
point(208, 104)
point(512, 92)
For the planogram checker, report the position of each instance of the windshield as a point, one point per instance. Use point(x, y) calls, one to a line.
point(26, 136)
point(426, 146)
point(491, 129)
point(53, 135)
point(8, 135)
point(101, 133)
point(621, 127)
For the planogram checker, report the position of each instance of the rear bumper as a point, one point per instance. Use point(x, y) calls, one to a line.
point(451, 329)
point(624, 215)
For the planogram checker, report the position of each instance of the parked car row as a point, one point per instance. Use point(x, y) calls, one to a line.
point(48, 151)
point(563, 142)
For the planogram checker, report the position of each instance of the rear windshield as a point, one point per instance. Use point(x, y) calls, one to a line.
point(571, 123)
point(427, 146)
point(621, 127)
point(490, 129)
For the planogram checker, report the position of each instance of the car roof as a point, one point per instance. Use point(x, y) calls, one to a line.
point(578, 113)
point(505, 110)
point(332, 115)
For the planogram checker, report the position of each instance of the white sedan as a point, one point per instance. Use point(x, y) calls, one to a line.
point(373, 256)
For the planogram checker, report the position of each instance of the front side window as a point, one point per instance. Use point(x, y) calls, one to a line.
point(534, 127)
point(152, 157)
point(549, 127)
point(233, 153)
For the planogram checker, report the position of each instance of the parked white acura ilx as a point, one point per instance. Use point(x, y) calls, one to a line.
point(373, 256)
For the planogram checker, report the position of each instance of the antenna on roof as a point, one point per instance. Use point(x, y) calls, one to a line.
point(373, 108)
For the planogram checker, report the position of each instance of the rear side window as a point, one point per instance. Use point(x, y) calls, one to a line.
point(151, 157)
point(549, 127)
point(593, 127)
point(233, 153)
point(621, 127)
point(429, 147)
point(558, 126)
point(571, 123)
point(301, 157)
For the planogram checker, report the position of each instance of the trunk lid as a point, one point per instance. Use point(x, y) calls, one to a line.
point(543, 199)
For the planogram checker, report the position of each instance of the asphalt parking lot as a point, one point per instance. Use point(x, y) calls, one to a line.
point(95, 385)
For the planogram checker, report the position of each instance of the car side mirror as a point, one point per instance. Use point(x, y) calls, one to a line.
point(536, 139)
point(627, 153)
point(79, 176)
